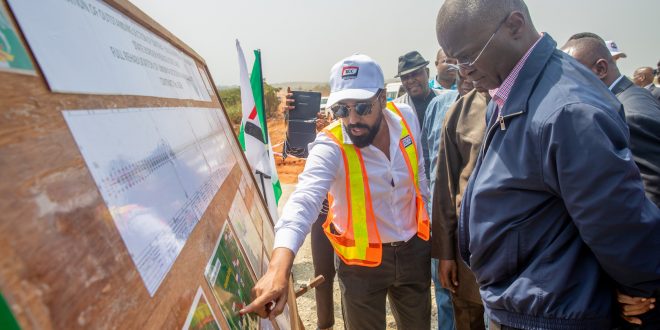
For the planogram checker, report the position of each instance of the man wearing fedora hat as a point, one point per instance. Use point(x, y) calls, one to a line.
point(430, 105)
point(371, 166)
point(414, 74)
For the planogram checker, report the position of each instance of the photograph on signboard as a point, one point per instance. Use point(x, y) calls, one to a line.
point(157, 170)
point(251, 199)
point(201, 316)
point(247, 233)
point(268, 232)
point(231, 281)
point(100, 50)
point(13, 56)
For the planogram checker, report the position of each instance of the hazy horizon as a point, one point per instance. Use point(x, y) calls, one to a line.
point(304, 44)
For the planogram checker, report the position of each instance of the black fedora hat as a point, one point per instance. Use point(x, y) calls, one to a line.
point(410, 62)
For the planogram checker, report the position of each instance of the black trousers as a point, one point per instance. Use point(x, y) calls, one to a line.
point(403, 276)
point(323, 257)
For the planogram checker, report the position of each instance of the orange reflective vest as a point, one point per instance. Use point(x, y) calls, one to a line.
point(360, 242)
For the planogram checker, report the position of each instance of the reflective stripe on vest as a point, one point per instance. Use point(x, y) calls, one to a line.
point(360, 242)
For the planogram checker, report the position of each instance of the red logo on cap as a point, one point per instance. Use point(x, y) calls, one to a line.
point(349, 72)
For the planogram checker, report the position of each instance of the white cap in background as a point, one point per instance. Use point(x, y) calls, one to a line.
point(614, 50)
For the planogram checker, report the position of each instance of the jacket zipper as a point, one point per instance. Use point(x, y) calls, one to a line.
point(464, 240)
point(499, 121)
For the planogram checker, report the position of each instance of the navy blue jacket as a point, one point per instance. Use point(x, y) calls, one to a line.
point(554, 217)
point(643, 118)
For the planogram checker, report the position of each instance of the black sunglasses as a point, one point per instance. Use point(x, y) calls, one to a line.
point(360, 108)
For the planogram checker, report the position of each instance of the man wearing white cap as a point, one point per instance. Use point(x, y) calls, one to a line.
point(614, 49)
point(370, 164)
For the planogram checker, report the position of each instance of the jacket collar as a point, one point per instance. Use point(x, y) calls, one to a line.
point(622, 85)
point(529, 74)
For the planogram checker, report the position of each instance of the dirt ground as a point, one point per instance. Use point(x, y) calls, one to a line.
point(288, 169)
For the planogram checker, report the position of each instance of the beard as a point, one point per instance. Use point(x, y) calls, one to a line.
point(362, 141)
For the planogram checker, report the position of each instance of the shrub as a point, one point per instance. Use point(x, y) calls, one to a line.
point(231, 98)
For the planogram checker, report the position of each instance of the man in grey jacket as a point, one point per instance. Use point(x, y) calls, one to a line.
point(642, 111)
point(643, 77)
point(554, 217)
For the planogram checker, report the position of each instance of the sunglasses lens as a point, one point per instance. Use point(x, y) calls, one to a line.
point(362, 108)
point(339, 110)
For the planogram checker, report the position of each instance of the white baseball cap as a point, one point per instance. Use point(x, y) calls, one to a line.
point(614, 49)
point(356, 77)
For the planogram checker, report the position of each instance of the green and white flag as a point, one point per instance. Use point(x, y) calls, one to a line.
point(253, 135)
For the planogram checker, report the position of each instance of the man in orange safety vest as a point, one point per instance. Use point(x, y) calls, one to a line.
point(371, 166)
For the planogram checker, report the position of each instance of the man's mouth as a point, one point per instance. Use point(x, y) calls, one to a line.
point(358, 130)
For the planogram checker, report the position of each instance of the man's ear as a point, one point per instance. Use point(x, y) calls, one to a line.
point(515, 23)
point(600, 68)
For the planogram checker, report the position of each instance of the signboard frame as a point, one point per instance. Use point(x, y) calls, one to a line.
point(64, 264)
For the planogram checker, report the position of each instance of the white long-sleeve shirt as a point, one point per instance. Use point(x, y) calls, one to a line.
point(392, 188)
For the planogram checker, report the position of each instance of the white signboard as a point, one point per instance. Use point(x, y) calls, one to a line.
point(87, 46)
point(157, 170)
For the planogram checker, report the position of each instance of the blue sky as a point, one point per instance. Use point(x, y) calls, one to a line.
point(301, 39)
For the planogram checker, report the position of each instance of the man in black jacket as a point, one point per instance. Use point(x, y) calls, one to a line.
point(641, 109)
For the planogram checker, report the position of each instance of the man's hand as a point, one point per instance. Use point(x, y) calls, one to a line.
point(633, 306)
point(448, 275)
point(288, 101)
point(272, 290)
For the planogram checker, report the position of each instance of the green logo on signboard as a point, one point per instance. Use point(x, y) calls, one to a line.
point(12, 53)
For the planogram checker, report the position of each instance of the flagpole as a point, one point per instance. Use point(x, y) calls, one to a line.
point(263, 91)
point(263, 176)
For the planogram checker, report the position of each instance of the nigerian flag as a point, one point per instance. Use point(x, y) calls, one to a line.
point(253, 135)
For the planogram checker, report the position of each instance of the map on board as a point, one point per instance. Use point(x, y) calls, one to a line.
point(157, 170)
point(231, 281)
point(247, 232)
point(201, 315)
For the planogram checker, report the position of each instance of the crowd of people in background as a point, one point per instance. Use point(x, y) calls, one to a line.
point(538, 168)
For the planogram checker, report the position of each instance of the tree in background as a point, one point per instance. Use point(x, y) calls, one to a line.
point(231, 98)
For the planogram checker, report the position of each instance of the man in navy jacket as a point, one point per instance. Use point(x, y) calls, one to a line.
point(642, 110)
point(554, 218)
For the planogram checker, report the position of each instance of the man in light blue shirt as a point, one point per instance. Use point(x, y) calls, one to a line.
point(432, 129)
point(445, 79)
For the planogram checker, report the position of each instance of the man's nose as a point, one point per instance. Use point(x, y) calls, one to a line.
point(353, 117)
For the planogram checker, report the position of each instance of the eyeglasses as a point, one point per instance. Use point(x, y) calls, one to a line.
point(466, 64)
point(361, 108)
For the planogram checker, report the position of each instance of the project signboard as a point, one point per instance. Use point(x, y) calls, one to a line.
point(126, 201)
